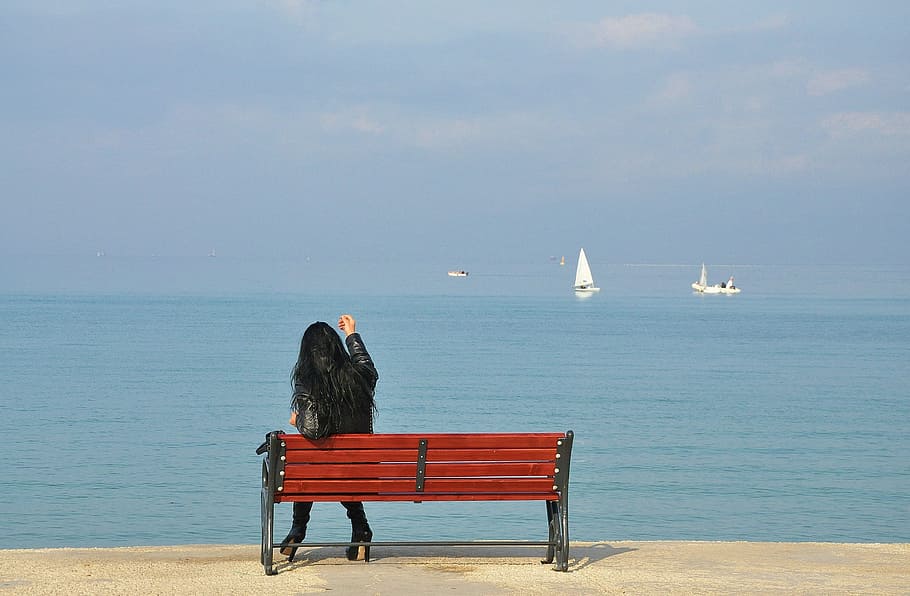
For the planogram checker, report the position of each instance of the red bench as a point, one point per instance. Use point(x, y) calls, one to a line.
point(421, 467)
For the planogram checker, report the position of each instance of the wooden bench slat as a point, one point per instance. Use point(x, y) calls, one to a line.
point(295, 456)
point(437, 454)
point(417, 497)
point(349, 470)
point(409, 470)
point(439, 485)
point(435, 440)
point(410, 455)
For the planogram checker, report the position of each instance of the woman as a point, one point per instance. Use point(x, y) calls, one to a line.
point(340, 387)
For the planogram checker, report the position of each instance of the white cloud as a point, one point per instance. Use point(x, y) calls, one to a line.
point(836, 80)
point(636, 31)
point(488, 131)
point(298, 9)
point(788, 164)
point(429, 131)
point(674, 89)
point(853, 123)
point(771, 23)
point(445, 133)
point(788, 68)
point(355, 119)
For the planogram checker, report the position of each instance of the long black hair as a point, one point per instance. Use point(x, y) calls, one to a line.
point(324, 370)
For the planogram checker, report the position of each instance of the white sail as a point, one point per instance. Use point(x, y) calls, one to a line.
point(584, 280)
point(703, 280)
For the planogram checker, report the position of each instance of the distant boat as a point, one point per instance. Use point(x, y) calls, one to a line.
point(459, 273)
point(702, 286)
point(584, 281)
point(562, 261)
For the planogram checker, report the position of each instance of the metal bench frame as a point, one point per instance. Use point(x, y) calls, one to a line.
point(420, 467)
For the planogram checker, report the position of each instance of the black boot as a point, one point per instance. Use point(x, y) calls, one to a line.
point(360, 532)
point(298, 529)
point(360, 553)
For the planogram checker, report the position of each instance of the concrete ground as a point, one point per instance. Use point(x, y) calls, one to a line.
point(595, 568)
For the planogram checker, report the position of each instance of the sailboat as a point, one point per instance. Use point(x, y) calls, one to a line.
point(584, 281)
point(702, 286)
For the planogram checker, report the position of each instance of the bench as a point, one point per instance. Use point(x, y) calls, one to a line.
point(416, 468)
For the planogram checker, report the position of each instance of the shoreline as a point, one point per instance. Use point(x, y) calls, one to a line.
point(618, 567)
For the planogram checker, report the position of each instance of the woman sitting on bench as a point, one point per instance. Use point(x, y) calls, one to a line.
point(338, 385)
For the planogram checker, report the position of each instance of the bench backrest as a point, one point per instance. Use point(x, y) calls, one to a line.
point(421, 467)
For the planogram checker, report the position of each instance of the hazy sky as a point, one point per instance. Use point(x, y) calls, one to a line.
point(647, 132)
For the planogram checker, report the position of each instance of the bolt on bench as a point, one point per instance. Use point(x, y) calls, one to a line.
point(420, 467)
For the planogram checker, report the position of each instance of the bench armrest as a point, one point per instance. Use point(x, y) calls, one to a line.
point(265, 444)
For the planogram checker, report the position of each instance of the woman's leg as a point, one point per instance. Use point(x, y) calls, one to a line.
point(301, 518)
point(360, 532)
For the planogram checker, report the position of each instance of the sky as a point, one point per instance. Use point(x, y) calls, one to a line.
point(457, 132)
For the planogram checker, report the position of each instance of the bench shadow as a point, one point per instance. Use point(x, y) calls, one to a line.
point(580, 556)
point(583, 556)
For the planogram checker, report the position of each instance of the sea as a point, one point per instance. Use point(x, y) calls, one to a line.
point(135, 390)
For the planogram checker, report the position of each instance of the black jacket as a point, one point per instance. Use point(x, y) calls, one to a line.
point(362, 421)
point(363, 364)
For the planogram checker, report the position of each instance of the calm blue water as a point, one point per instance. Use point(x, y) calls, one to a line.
point(779, 414)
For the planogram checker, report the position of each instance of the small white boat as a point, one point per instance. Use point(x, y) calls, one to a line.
point(459, 273)
point(584, 281)
point(701, 286)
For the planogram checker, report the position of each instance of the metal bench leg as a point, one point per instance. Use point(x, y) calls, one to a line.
point(551, 527)
point(561, 507)
point(562, 523)
point(267, 506)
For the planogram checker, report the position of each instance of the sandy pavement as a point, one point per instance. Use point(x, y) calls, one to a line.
point(595, 568)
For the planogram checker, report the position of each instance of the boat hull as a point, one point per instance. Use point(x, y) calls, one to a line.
point(716, 289)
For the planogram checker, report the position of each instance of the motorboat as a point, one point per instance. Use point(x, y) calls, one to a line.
point(701, 286)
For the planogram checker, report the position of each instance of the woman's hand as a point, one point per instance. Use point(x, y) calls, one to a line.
point(347, 324)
